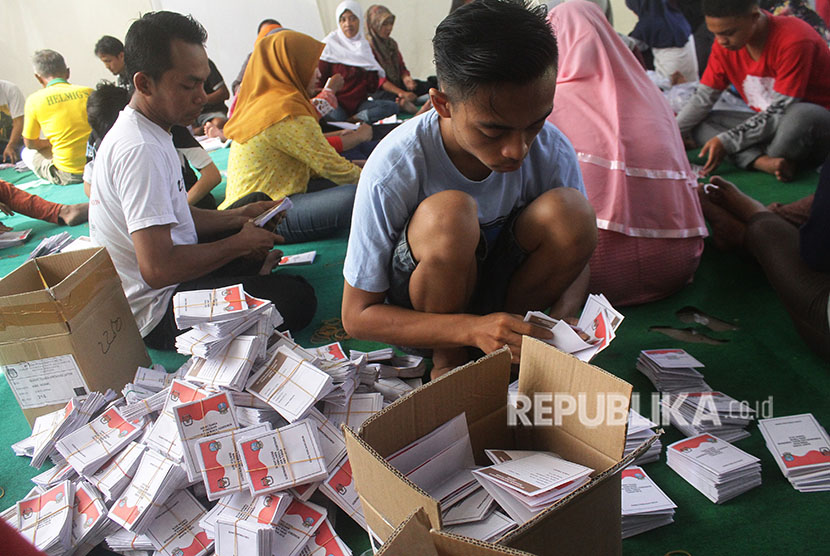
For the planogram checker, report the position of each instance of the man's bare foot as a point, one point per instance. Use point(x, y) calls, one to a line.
point(779, 167)
point(272, 259)
point(677, 78)
point(727, 231)
point(72, 215)
point(409, 107)
point(739, 204)
point(212, 130)
point(445, 360)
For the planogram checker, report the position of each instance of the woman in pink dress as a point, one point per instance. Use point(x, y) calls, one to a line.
point(635, 169)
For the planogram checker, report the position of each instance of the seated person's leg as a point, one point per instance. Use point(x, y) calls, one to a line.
point(39, 164)
point(371, 111)
point(318, 215)
point(558, 232)
point(435, 263)
point(803, 136)
point(719, 121)
point(339, 114)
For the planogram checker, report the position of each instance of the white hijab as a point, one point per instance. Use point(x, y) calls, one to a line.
point(354, 51)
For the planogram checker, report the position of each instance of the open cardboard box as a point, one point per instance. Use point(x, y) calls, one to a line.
point(585, 522)
point(415, 536)
point(66, 329)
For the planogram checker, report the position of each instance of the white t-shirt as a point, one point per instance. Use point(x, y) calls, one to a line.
point(137, 183)
point(12, 101)
point(410, 164)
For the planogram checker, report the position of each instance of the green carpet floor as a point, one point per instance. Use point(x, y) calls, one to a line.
point(763, 359)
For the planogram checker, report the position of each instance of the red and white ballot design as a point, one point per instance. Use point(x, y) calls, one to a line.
point(88, 512)
point(325, 543)
point(45, 519)
point(283, 458)
point(202, 418)
point(89, 447)
point(798, 442)
point(219, 461)
point(176, 531)
point(297, 526)
point(164, 436)
point(339, 487)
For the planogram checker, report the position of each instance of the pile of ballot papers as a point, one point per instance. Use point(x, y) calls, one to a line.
point(644, 505)
point(639, 430)
point(716, 468)
point(695, 413)
point(593, 332)
point(184, 464)
point(672, 370)
point(13, 238)
point(801, 448)
point(51, 244)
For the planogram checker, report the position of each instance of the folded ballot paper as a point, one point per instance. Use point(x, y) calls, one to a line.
point(801, 448)
point(89, 519)
point(593, 332)
point(672, 370)
point(242, 506)
point(639, 430)
point(716, 468)
point(48, 429)
point(715, 413)
point(298, 259)
point(113, 477)
point(196, 420)
point(644, 505)
point(52, 477)
point(45, 520)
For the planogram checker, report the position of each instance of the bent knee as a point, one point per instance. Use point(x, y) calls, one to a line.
point(565, 218)
point(445, 220)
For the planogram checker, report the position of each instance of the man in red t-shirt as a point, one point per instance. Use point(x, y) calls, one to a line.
point(781, 68)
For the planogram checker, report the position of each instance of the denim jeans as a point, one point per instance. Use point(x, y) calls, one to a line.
point(319, 214)
point(368, 111)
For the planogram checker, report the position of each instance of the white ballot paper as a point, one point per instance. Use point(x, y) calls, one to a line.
point(57, 474)
point(300, 258)
point(266, 216)
point(672, 370)
point(330, 438)
point(198, 306)
point(203, 418)
point(242, 506)
point(228, 368)
point(339, 488)
point(495, 525)
point(164, 436)
point(156, 478)
point(280, 459)
point(644, 505)
point(359, 408)
point(45, 520)
point(801, 449)
point(325, 543)
point(89, 447)
point(298, 525)
point(176, 531)
point(238, 537)
point(89, 518)
point(220, 463)
point(114, 476)
point(289, 384)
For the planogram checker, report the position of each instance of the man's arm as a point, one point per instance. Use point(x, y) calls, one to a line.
point(212, 222)
point(209, 177)
point(697, 108)
point(10, 153)
point(43, 146)
point(219, 95)
point(162, 263)
point(759, 128)
point(366, 316)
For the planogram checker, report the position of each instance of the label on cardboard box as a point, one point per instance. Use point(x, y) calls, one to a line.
point(47, 381)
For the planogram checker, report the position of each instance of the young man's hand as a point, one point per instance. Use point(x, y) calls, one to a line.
point(256, 242)
point(409, 83)
point(10, 154)
point(4, 208)
point(716, 153)
point(492, 331)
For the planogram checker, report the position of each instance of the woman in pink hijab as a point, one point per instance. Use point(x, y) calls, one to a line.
point(635, 169)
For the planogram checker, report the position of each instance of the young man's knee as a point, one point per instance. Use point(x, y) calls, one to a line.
point(445, 221)
point(568, 217)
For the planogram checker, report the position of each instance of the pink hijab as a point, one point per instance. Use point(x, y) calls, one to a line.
point(636, 173)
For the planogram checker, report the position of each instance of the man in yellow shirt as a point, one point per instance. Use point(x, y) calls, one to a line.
point(59, 112)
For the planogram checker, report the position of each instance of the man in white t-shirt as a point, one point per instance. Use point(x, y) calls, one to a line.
point(12, 103)
point(472, 214)
point(138, 203)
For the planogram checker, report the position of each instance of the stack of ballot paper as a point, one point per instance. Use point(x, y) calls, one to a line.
point(242, 506)
point(86, 449)
point(209, 306)
point(175, 531)
point(155, 480)
point(50, 428)
point(639, 430)
point(694, 413)
point(219, 462)
point(89, 519)
point(51, 244)
point(672, 370)
point(359, 408)
point(644, 505)
point(45, 519)
point(13, 238)
point(124, 542)
point(801, 448)
point(114, 476)
point(593, 332)
point(716, 468)
point(57, 474)
point(203, 418)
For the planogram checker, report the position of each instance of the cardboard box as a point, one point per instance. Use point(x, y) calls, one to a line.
point(585, 522)
point(415, 536)
point(66, 329)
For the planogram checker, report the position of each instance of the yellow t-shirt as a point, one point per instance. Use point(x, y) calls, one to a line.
point(59, 110)
point(279, 161)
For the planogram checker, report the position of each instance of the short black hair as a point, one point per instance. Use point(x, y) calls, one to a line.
point(108, 45)
point(103, 106)
point(488, 42)
point(728, 8)
point(147, 48)
point(265, 22)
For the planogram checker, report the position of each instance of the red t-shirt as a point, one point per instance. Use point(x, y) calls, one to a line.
point(795, 62)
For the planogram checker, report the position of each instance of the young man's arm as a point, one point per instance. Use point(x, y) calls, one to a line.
point(10, 153)
point(162, 263)
point(697, 108)
point(211, 222)
point(366, 316)
point(209, 177)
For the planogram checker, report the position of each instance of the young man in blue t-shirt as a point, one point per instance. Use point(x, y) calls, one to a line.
point(474, 213)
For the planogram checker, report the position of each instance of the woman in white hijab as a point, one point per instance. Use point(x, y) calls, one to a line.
point(349, 54)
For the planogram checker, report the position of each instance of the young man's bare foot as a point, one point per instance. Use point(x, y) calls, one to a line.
point(212, 130)
point(727, 231)
point(72, 215)
point(779, 167)
point(445, 360)
point(272, 259)
point(726, 195)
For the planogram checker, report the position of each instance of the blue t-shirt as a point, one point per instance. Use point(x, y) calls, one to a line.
point(411, 164)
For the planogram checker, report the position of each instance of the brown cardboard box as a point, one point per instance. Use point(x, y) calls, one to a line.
point(66, 329)
point(585, 522)
point(415, 537)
